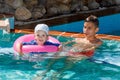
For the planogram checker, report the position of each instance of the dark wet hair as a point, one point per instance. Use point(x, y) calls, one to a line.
point(92, 19)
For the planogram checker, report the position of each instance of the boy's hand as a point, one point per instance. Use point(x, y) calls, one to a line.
point(60, 48)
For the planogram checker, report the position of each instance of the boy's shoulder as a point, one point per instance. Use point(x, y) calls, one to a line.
point(95, 42)
point(99, 42)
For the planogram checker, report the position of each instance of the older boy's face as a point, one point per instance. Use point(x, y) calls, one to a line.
point(41, 37)
point(89, 29)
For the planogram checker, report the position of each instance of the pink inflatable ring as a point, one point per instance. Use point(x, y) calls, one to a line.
point(35, 48)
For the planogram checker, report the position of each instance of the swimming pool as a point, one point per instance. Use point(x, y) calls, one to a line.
point(104, 65)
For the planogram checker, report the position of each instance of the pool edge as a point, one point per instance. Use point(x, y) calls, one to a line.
point(70, 34)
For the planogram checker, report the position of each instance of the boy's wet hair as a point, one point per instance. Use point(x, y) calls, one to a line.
point(92, 19)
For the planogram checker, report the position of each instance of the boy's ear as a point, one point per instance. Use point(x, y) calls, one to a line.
point(97, 29)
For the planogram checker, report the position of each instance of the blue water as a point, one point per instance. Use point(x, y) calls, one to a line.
point(104, 65)
point(108, 25)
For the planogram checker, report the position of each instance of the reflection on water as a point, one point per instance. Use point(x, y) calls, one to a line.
point(109, 52)
point(48, 67)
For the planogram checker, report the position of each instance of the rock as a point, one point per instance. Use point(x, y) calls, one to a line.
point(4, 8)
point(22, 13)
point(64, 1)
point(38, 12)
point(14, 3)
point(53, 11)
point(55, 7)
point(107, 3)
point(92, 4)
point(29, 4)
point(84, 8)
point(117, 2)
point(75, 5)
point(78, 5)
point(64, 9)
point(52, 8)
point(42, 2)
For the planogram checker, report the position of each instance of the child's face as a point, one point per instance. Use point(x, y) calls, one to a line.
point(41, 37)
point(89, 29)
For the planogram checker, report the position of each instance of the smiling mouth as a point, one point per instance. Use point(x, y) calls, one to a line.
point(41, 40)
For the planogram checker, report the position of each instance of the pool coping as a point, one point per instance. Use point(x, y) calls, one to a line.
point(70, 34)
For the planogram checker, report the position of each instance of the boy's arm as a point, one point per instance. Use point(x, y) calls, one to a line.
point(19, 48)
point(68, 42)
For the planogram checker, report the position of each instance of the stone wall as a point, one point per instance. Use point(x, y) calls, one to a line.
point(37, 9)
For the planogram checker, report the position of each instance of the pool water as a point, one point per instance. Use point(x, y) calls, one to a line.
point(104, 65)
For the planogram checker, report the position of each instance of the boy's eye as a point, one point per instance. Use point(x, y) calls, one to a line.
point(40, 35)
point(43, 35)
point(84, 26)
point(87, 27)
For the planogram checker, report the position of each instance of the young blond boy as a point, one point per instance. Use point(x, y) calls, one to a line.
point(41, 38)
